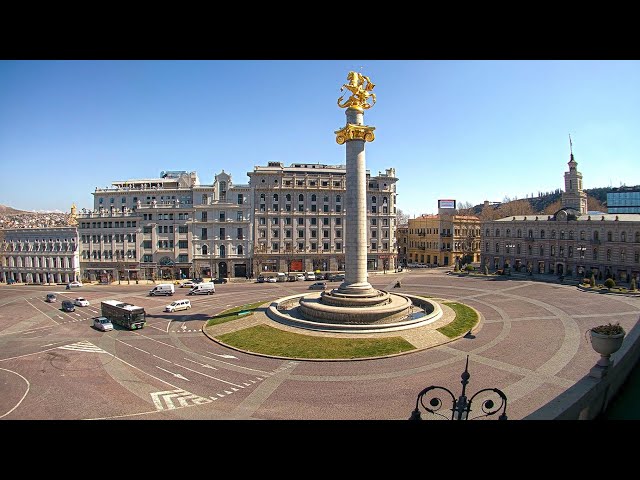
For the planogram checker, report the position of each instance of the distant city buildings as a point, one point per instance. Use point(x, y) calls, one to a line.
point(571, 242)
point(623, 202)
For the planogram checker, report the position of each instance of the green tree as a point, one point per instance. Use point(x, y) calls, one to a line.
point(592, 280)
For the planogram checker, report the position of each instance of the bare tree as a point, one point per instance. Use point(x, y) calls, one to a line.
point(401, 217)
point(594, 205)
point(514, 208)
point(465, 208)
point(552, 207)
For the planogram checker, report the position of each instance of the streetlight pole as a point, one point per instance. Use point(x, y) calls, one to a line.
point(461, 408)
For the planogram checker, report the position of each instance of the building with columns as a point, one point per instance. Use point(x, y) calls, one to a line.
point(39, 255)
point(166, 228)
point(572, 242)
point(299, 218)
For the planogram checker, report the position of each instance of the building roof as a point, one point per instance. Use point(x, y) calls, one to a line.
point(610, 217)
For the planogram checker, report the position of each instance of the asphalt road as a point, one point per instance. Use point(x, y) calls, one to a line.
point(54, 365)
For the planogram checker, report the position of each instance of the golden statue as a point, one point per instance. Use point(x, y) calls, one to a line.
point(73, 215)
point(360, 87)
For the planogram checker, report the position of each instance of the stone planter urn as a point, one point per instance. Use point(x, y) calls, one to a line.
point(605, 340)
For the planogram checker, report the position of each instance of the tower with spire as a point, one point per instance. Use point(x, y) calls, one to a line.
point(574, 196)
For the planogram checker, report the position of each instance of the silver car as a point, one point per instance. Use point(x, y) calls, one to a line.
point(102, 323)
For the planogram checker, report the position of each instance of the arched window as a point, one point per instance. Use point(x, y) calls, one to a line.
point(561, 234)
point(497, 232)
point(288, 197)
point(262, 197)
point(582, 235)
point(338, 198)
point(223, 251)
point(301, 198)
point(595, 253)
point(530, 233)
point(313, 197)
point(519, 233)
point(596, 235)
point(497, 247)
point(570, 234)
point(373, 199)
point(384, 200)
point(542, 233)
point(553, 234)
point(623, 237)
point(609, 236)
point(204, 199)
point(508, 232)
point(239, 250)
point(204, 250)
point(530, 249)
point(486, 233)
point(275, 197)
point(542, 250)
point(608, 254)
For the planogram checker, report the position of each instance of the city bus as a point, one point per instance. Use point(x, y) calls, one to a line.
point(124, 314)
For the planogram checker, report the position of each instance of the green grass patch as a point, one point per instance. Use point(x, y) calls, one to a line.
point(234, 313)
point(466, 319)
point(272, 341)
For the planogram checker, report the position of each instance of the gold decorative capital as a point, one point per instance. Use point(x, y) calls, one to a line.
point(361, 88)
point(355, 132)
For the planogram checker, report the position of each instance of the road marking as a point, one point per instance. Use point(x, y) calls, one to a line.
point(208, 376)
point(168, 361)
point(41, 312)
point(201, 364)
point(224, 355)
point(83, 347)
point(184, 398)
point(23, 396)
point(177, 375)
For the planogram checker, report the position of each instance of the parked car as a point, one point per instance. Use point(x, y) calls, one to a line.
point(219, 280)
point(318, 286)
point(310, 276)
point(338, 277)
point(74, 284)
point(51, 297)
point(272, 279)
point(187, 283)
point(68, 306)
point(81, 302)
point(178, 305)
point(10, 281)
point(300, 276)
point(102, 323)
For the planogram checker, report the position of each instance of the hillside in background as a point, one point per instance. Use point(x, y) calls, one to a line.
point(4, 210)
point(544, 204)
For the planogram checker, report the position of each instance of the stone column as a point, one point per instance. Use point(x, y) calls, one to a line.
point(356, 218)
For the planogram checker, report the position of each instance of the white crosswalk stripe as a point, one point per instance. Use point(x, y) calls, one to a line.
point(83, 347)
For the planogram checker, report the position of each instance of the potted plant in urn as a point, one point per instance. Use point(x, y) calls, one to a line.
point(605, 340)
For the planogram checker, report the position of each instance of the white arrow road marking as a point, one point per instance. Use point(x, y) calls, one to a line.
point(59, 316)
point(83, 347)
point(224, 355)
point(201, 364)
point(174, 374)
point(208, 376)
point(183, 327)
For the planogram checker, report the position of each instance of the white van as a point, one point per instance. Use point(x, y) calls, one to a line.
point(202, 289)
point(178, 305)
point(162, 289)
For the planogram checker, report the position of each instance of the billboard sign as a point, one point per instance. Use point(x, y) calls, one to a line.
point(446, 204)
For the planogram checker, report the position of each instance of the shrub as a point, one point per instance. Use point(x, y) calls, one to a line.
point(609, 283)
point(469, 268)
point(592, 280)
point(608, 329)
point(586, 281)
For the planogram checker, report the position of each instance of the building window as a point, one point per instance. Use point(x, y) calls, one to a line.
point(300, 221)
point(570, 234)
point(622, 255)
point(596, 235)
point(530, 249)
point(570, 251)
point(609, 236)
point(497, 232)
point(623, 237)
point(608, 254)
point(553, 250)
point(239, 234)
point(204, 234)
point(240, 199)
point(530, 233)
point(582, 235)
point(239, 216)
point(542, 233)
point(338, 208)
point(223, 234)
point(300, 233)
point(595, 253)
point(541, 251)
point(222, 216)
point(338, 246)
point(497, 247)
point(205, 250)
point(519, 233)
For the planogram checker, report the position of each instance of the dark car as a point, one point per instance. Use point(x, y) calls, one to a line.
point(51, 297)
point(68, 306)
point(220, 280)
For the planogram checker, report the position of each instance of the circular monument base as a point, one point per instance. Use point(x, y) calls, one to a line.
point(307, 311)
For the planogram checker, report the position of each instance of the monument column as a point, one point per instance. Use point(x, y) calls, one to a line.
point(355, 134)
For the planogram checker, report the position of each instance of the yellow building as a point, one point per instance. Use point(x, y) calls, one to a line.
point(443, 239)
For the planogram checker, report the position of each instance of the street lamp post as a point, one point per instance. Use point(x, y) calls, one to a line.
point(461, 408)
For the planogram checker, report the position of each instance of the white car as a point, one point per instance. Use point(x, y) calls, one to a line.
point(178, 305)
point(81, 302)
point(272, 279)
point(102, 323)
point(74, 284)
point(187, 283)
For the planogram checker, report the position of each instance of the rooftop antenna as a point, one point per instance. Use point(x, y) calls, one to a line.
point(570, 145)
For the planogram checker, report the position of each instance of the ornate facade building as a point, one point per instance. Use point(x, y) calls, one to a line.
point(39, 255)
point(443, 239)
point(572, 242)
point(166, 228)
point(299, 218)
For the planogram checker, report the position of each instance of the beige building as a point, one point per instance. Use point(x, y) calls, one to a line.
point(571, 242)
point(39, 255)
point(166, 228)
point(299, 218)
point(443, 239)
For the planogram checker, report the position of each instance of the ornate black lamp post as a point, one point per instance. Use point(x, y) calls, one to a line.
point(461, 408)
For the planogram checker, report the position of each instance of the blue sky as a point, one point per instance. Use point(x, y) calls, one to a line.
point(469, 130)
